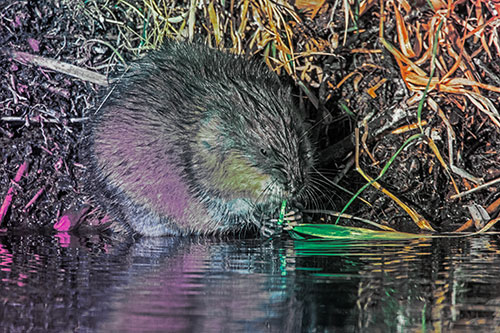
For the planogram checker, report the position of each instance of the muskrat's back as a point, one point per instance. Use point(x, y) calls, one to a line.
point(192, 140)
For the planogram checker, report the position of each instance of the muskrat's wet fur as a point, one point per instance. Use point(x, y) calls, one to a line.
point(192, 140)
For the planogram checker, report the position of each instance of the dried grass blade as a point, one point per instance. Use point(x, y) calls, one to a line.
point(438, 155)
point(215, 23)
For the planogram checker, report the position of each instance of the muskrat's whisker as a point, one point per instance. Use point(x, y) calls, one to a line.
point(264, 194)
point(320, 173)
point(265, 191)
point(321, 184)
point(318, 184)
point(312, 194)
point(314, 200)
point(329, 181)
point(324, 172)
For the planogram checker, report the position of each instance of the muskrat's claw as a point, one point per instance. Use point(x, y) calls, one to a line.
point(294, 215)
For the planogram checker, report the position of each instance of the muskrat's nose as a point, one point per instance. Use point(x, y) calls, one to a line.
point(291, 189)
point(294, 184)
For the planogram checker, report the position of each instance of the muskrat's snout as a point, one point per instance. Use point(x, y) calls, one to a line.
point(293, 187)
point(296, 183)
point(289, 183)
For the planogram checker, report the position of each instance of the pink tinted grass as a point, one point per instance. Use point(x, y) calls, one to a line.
point(71, 218)
point(34, 44)
point(63, 224)
point(37, 194)
point(10, 194)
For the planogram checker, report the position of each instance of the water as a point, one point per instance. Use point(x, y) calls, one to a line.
point(210, 285)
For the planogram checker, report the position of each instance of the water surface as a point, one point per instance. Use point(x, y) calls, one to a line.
point(214, 285)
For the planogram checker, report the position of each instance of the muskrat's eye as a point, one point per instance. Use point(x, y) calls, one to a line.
point(263, 152)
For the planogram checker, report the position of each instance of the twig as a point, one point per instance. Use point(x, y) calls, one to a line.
point(59, 66)
point(487, 184)
point(34, 119)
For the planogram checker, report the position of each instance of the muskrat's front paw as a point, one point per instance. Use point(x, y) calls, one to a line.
point(270, 228)
point(291, 218)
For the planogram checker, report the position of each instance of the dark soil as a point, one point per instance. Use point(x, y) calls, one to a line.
point(43, 113)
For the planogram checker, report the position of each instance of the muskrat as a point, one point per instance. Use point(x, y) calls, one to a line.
point(192, 140)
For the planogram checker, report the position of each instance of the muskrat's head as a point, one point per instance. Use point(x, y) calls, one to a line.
point(252, 145)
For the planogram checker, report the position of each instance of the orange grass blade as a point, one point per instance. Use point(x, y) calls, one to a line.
point(403, 38)
point(371, 91)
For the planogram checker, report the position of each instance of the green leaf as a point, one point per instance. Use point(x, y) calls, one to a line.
point(337, 232)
